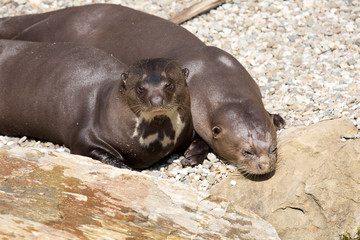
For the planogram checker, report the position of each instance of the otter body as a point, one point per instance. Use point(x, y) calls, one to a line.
point(86, 99)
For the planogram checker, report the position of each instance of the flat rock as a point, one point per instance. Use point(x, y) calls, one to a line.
point(55, 195)
point(314, 193)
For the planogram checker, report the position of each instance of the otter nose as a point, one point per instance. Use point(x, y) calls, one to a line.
point(265, 166)
point(156, 101)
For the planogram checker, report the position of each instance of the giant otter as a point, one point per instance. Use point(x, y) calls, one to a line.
point(94, 104)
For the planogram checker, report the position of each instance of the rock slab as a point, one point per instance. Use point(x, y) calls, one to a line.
point(46, 194)
point(314, 193)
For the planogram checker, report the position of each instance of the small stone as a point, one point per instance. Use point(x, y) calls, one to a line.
point(351, 62)
point(211, 178)
point(212, 157)
point(199, 169)
point(183, 172)
point(154, 173)
point(10, 143)
point(24, 144)
point(35, 2)
point(293, 37)
point(223, 169)
point(297, 62)
point(59, 149)
point(164, 175)
point(171, 173)
point(206, 164)
point(20, 2)
point(23, 139)
point(204, 183)
point(233, 182)
point(348, 136)
point(187, 180)
point(357, 42)
point(3, 139)
point(350, 27)
point(177, 161)
point(192, 175)
point(216, 165)
point(204, 174)
point(226, 31)
point(172, 167)
point(205, 170)
point(178, 177)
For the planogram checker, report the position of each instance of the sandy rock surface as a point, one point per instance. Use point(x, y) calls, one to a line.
point(49, 195)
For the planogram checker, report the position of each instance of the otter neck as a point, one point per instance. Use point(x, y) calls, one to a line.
point(110, 102)
point(160, 129)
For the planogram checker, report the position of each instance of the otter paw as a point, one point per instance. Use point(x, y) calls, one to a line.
point(196, 153)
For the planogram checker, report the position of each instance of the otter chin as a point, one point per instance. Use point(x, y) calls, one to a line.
point(250, 144)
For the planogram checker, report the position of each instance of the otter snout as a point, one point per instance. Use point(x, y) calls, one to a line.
point(156, 100)
point(257, 164)
point(264, 164)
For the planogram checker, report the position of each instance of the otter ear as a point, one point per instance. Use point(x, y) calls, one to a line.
point(278, 121)
point(216, 131)
point(185, 71)
point(124, 77)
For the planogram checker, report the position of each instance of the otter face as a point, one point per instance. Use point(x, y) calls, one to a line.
point(250, 144)
point(156, 91)
point(155, 86)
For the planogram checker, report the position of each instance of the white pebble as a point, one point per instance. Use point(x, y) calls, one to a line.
point(10, 143)
point(211, 156)
point(233, 182)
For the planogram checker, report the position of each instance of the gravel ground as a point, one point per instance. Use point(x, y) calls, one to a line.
point(305, 56)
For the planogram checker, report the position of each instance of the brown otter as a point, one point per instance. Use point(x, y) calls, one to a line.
point(86, 99)
point(226, 104)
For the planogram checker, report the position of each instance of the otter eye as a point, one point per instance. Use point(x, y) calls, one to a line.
point(169, 86)
point(248, 153)
point(273, 149)
point(140, 89)
point(216, 131)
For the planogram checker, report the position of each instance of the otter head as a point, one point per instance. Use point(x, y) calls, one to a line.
point(155, 86)
point(249, 144)
point(156, 91)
